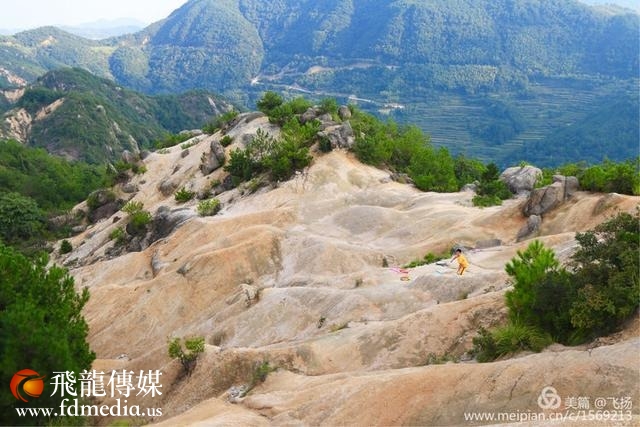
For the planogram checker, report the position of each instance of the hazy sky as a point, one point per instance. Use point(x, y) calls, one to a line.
point(26, 14)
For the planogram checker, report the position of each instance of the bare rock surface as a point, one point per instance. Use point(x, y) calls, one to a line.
point(308, 277)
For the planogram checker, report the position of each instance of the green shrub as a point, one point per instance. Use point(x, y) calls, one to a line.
point(99, 198)
point(226, 140)
point(329, 105)
point(171, 140)
point(467, 170)
point(65, 247)
point(220, 122)
point(484, 346)
point(515, 337)
point(138, 217)
point(324, 144)
point(433, 171)
point(138, 222)
point(209, 207)
point(20, 218)
point(491, 190)
point(486, 201)
point(260, 373)
point(132, 206)
point(429, 258)
point(596, 298)
point(506, 340)
point(269, 102)
point(607, 275)
point(280, 158)
point(526, 271)
point(183, 195)
point(188, 355)
point(118, 235)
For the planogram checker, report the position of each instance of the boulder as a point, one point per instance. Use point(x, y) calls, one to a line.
point(78, 229)
point(104, 211)
point(214, 159)
point(168, 186)
point(311, 114)
point(251, 294)
point(129, 187)
point(521, 179)
point(531, 227)
point(165, 221)
point(570, 183)
point(128, 157)
point(542, 200)
point(102, 204)
point(473, 187)
point(344, 112)
point(340, 136)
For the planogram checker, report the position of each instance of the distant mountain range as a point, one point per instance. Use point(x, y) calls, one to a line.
point(95, 30)
point(103, 29)
point(487, 78)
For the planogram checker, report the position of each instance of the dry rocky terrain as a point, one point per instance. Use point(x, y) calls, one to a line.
point(301, 275)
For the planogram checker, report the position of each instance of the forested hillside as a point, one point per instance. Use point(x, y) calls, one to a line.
point(488, 78)
point(71, 112)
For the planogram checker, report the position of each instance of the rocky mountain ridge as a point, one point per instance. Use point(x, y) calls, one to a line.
point(306, 276)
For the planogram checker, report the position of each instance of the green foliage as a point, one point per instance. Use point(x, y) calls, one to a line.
point(623, 177)
point(54, 183)
point(429, 258)
point(20, 218)
point(280, 158)
point(138, 222)
point(226, 140)
point(601, 292)
point(329, 106)
point(170, 140)
point(99, 198)
point(118, 235)
point(608, 176)
point(432, 170)
point(65, 247)
point(607, 275)
point(220, 122)
point(138, 217)
point(209, 207)
point(508, 339)
point(526, 271)
point(183, 195)
point(42, 327)
point(468, 170)
point(37, 97)
point(269, 102)
point(188, 354)
point(287, 157)
point(324, 144)
point(260, 373)
point(132, 206)
point(484, 346)
point(491, 190)
point(404, 149)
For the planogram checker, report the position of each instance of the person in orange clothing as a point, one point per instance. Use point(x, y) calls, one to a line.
point(462, 261)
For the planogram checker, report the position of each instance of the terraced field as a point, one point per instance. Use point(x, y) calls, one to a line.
point(548, 107)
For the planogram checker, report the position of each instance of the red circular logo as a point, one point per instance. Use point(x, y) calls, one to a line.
point(27, 383)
